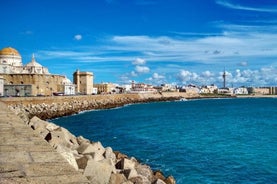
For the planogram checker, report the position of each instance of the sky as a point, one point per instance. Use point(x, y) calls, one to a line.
point(151, 41)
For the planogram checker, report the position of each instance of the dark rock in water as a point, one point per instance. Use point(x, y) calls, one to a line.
point(120, 155)
point(159, 181)
point(159, 175)
point(170, 180)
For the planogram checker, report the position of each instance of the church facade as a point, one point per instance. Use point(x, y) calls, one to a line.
point(31, 79)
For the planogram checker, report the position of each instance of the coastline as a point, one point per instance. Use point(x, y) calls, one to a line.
point(58, 106)
point(96, 163)
point(34, 110)
point(257, 96)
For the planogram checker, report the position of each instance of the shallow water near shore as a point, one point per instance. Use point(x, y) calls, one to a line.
point(196, 141)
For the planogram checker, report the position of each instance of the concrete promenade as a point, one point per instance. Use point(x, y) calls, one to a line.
point(26, 158)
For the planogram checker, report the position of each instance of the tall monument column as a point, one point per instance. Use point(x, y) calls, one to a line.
point(224, 79)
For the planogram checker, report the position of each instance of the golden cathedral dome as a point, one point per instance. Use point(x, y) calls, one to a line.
point(9, 51)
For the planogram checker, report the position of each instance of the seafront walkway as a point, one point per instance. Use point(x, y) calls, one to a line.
point(25, 157)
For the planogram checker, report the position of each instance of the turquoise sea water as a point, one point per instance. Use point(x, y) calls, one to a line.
point(197, 141)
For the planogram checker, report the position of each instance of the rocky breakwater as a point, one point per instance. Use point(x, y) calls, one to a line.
point(52, 107)
point(100, 165)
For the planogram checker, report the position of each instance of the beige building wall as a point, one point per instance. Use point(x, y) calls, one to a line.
point(1, 86)
point(84, 82)
point(262, 91)
point(42, 84)
point(105, 87)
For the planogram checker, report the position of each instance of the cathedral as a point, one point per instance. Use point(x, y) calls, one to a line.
point(31, 79)
point(11, 63)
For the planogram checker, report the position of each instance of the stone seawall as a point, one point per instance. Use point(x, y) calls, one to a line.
point(57, 106)
point(98, 164)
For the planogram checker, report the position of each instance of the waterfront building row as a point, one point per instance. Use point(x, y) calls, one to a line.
point(33, 79)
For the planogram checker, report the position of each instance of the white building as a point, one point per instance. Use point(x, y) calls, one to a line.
point(68, 87)
point(225, 91)
point(33, 67)
point(11, 63)
point(241, 91)
point(191, 89)
point(169, 87)
point(208, 89)
point(142, 88)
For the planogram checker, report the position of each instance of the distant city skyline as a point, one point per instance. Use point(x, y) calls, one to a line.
point(150, 41)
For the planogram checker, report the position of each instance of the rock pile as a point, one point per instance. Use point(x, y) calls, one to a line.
point(51, 107)
point(100, 165)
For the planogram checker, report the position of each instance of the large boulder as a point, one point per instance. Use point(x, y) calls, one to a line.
point(82, 162)
point(109, 154)
point(140, 180)
point(68, 156)
point(170, 180)
point(51, 127)
point(145, 171)
point(81, 139)
point(159, 181)
point(120, 155)
point(125, 163)
point(64, 138)
point(117, 178)
point(159, 175)
point(39, 126)
point(130, 173)
point(98, 172)
point(86, 148)
point(97, 156)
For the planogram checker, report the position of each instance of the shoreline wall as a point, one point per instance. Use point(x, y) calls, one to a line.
point(58, 106)
point(89, 158)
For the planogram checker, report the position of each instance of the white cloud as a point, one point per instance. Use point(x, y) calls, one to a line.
point(243, 63)
point(156, 79)
point(139, 61)
point(157, 76)
point(187, 77)
point(142, 69)
point(133, 74)
point(207, 74)
point(78, 37)
point(266, 76)
point(237, 43)
point(227, 4)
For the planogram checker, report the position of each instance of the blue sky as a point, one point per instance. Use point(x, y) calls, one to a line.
point(151, 41)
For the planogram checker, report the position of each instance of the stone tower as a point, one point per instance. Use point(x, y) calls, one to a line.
point(84, 82)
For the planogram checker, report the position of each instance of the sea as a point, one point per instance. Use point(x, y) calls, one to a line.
point(196, 141)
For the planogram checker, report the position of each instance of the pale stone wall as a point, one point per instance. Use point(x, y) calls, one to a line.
point(41, 84)
point(261, 91)
point(1, 86)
